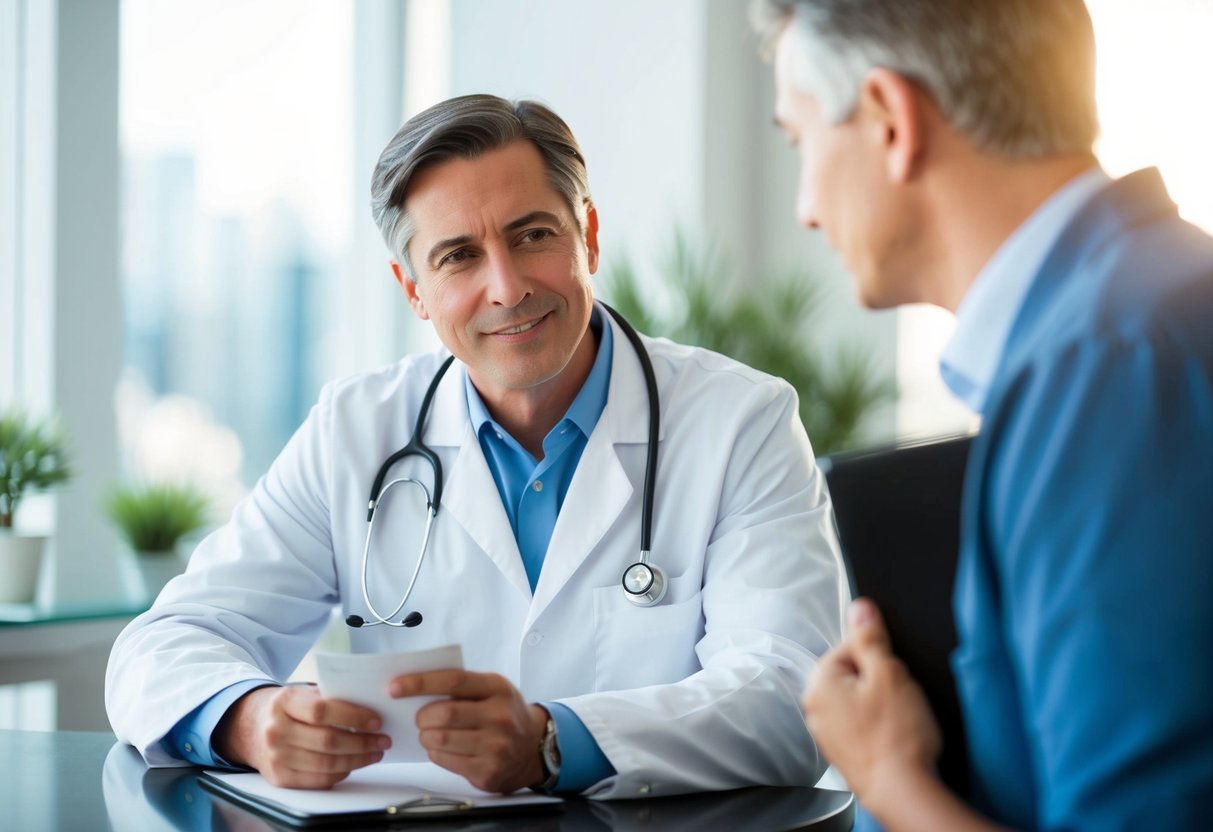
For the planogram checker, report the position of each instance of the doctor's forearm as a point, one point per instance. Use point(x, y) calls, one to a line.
point(235, 736)
point(193, 737)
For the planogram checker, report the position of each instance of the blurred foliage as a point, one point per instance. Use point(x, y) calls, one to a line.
point(699, 303)
point(152, 518)
point(33, 455)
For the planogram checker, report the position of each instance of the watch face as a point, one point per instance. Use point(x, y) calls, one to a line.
point(550, 753)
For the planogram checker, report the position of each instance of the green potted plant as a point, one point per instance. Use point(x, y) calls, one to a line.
point(33, 456)
point(153, 518)
point(695, 302)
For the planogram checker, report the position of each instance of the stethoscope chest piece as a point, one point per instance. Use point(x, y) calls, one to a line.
point(643, 584)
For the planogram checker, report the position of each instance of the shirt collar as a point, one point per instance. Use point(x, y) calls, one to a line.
point(586, 409)
point(988, 310)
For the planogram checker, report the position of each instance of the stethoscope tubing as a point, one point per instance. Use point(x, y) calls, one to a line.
point(431, 513)
point(650, 463)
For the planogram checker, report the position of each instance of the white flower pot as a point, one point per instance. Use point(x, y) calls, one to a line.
point(20, 560)
point(155, 569)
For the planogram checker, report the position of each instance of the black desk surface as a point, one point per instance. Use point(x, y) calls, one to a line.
point(69, 780)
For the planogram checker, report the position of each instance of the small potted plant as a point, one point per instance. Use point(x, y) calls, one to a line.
point(32, 456)
point(152, 519)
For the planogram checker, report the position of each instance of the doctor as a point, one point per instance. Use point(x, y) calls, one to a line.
point(540, 428)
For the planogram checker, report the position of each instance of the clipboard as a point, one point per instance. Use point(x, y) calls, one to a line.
point(385, 793)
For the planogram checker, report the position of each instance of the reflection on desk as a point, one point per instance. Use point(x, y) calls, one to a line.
point(87, 781)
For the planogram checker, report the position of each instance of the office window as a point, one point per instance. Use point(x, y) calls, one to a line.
point(1153, 64)
point(237, 213)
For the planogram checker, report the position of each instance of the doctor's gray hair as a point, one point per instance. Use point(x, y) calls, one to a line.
point(464, 128)
point(1016, 77)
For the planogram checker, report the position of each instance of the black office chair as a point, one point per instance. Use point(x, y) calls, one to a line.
point(898, 515)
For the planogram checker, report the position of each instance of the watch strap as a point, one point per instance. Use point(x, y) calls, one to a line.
point(549, 756)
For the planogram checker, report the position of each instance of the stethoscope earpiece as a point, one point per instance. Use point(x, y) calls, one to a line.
point(643, 584)
point(410, 620)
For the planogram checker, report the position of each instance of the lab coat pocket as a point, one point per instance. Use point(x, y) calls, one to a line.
point(638, 646)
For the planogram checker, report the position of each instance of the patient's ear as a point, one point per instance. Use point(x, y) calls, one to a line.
point(894, 109)
point(409, 286)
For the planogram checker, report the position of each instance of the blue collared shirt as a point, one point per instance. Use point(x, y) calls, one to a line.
point(989, 308)
point(532, 493)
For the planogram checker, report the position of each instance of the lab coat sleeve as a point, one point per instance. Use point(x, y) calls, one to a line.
point(771, 601)
point(254, 598)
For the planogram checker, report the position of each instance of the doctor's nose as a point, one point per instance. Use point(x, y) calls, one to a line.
point(507, 283)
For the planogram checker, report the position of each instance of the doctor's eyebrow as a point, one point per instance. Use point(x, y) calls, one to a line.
point(534, 216)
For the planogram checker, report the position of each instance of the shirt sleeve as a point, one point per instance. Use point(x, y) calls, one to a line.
point(190, 738)
point(582, 763)
point(1098, 505)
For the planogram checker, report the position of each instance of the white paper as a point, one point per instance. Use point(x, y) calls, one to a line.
point(362, 678)
point(375, 787)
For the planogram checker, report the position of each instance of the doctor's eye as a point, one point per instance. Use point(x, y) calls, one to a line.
point(535, 235)
point(456, 257)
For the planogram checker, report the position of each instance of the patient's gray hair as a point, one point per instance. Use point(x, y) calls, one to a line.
point(464, 128)
point(1016, 77)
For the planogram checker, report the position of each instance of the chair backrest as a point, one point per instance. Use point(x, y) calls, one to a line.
point(898, 515)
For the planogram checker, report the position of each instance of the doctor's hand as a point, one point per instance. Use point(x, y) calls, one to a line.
point(298, 739)
point(867, 715)
point(486, 731)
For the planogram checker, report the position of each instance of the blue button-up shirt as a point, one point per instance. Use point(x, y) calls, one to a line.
point(532, 493)
point(988, 310)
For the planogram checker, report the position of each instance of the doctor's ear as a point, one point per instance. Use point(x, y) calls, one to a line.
point(591, 235)
point(410, 291)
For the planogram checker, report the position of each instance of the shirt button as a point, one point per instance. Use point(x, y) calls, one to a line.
point(189, 748)
point(499, 436)
point(537, 485)
point(534, 638)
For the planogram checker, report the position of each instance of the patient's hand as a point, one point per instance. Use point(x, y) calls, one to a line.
point(298, 739)
point(867, 715)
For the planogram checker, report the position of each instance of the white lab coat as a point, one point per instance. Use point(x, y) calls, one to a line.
point(700, 692)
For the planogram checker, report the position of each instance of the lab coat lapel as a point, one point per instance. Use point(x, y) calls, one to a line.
point(600, 489)
point(470, 496)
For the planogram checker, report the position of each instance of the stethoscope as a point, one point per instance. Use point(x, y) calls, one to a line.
point(643, 583)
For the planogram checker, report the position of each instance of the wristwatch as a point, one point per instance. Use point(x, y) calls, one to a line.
point(549, 755)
